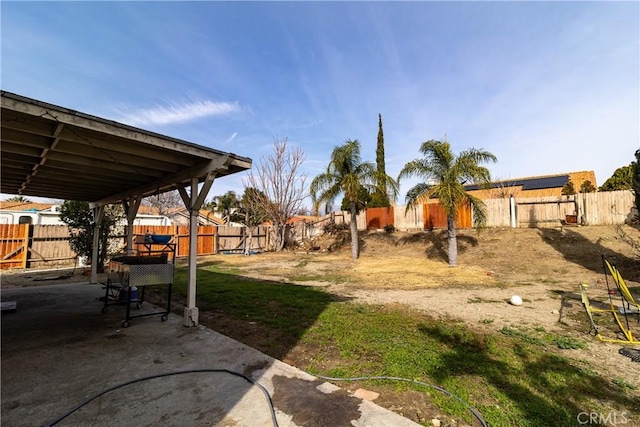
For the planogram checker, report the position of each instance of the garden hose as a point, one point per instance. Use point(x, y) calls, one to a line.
point(440, 389)
point(168, 374)
point(264, 391)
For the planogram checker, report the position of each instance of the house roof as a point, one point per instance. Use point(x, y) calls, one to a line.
point(24, 206)
point(305, 218)
point(148, 210)
point(52, 151)
point(533, 186)
point(203, 214)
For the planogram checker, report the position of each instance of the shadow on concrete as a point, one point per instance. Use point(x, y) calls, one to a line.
point(59, 349)
point(436, 241)
point(555, 380)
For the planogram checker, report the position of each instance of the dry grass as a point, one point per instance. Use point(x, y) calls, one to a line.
point(496, 257)
point(395, 272)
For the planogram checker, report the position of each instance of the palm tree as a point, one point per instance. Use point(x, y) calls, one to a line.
point(445, 175)
point(225, 205)
point(18, 199)
point(347, 174)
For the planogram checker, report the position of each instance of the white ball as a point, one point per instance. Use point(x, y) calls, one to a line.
point(516, 300)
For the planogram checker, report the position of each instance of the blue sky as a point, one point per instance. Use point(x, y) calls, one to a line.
point(548, 87)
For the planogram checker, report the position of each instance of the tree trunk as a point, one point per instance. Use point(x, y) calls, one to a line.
point(280, 231)
point(248, 242)
point(103, 249)
point(353, 225)
point(453, 243)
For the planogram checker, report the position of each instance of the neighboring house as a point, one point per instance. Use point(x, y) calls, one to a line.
point(29, 213)
point(307, 219)
point(181, 216)
point(49, 214)
point(533, 186)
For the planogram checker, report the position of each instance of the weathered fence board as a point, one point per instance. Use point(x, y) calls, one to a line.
point(412, 219)
point(544, 211)
point(231, 239)
point(607, 207)
point(598, 208)
point(498, 212)
point(212, 239)
point(361, 219)
point(25, 246)
point(49, 247)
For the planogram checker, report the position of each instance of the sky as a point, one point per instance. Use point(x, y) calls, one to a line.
point(548, 87)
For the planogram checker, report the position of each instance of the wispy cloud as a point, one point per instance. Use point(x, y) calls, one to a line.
point(177, 112)
point(231, 138)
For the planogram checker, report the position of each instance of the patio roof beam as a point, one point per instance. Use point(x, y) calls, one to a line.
point(174, 181)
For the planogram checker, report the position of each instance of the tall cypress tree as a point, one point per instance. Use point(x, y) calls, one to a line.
point(636, 180)
point(380, 198)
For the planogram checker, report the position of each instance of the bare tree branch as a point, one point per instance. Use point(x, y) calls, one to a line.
point(164, 202)
point(282, 185)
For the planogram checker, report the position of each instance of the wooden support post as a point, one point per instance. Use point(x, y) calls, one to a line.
point(98, 214)
point(193, 202)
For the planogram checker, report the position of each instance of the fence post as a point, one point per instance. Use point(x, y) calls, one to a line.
point(244, 239)
point(584, 219)
point(26, 243)
point(269, 237)
point(512, 211)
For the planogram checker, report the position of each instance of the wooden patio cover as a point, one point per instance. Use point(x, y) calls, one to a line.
point(52, 151)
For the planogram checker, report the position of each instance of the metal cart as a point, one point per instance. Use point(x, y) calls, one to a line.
point(130, 275)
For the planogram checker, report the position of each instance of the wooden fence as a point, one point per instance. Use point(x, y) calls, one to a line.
point(411, 219)
point(607, 207)
point(434, 216)
point(213, 239)
point(599, 208)
point(36, 246)
point(14, 245)
point(498, 212)
point(378, 218)
point(49, 247)
point(543, 212)
point(44, 246)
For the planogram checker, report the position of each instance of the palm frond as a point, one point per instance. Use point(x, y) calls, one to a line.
point(479, 211)
point(417, 168)
point(417, 194)
point(478, 155)
point(469, 164)
point(347, 174)
point(445, 174)
point(438, 154)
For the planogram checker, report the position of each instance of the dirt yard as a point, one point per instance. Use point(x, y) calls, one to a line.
point(544, 266)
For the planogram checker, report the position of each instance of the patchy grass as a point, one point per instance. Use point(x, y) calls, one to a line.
point(329, 277)
point(620, 382)
point(539, 337)
point(514, 377)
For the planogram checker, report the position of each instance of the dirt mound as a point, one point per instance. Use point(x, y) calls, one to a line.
point(518, 256)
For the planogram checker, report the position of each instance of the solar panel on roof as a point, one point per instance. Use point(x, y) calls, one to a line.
point(548, 182)
point(528, 183)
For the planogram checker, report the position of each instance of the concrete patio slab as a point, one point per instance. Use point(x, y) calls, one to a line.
point(59, 349)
